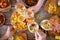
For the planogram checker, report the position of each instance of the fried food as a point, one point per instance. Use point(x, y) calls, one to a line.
point(14, 17)
point(52, 7)
point(3, 3)
point(30, 20)
point(55, 21)
point(20, 26)
point(21, 17)
point(21, 36)
point(18, 21)
point(30, 16)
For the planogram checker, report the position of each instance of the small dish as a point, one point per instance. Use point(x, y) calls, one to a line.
point(46, 25)
point(18, 36)
point(33, 27)
point(21, 18)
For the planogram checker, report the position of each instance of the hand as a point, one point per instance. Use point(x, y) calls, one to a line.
point(33, 8)
point(10, 32)
point(55, 21)
point(40, 35)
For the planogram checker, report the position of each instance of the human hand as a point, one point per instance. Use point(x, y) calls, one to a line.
point(37, 6)
point(55, 21)
point(9, 32)
point(40, 35)
point(33, 8)
point(12, 31)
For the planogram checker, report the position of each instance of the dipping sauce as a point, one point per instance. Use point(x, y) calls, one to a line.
point(31, 2)
point(46, 25)
point(33, 27)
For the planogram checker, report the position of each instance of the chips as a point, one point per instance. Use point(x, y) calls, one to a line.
point(21, 17)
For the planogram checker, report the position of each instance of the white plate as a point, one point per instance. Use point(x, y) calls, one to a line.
point(43, 26)
point(36, 28)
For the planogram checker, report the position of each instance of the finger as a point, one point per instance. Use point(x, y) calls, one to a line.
point(38, 33)
point(35, 36)
point(12, 32)
point(39, 36)
point(41, 33)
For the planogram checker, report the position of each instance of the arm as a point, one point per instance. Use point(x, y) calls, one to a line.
point(10, 32)
point(40, 35)
point(37, 7)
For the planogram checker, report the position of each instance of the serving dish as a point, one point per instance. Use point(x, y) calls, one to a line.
point(41, 12)
point(2, 19)
point(5, 5)
point(21, 17)
point(4, 9)
point(33, 27)
point(21, 36)
point(52, 7)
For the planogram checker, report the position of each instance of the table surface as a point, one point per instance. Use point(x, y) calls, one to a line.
point(8, 14)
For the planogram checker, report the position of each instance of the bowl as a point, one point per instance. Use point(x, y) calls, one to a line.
point(46, 25)
point(4, 5)
point(2, 19)
point(5, 9)
point(19, 36)
point(33, 27)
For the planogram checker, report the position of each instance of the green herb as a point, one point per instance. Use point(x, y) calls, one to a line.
point(14, 37)
point(52, 35)
point(10, 10)
point(38, 12)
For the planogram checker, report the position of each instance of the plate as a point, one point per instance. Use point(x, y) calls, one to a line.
point(46, 25)
point(21, 36)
